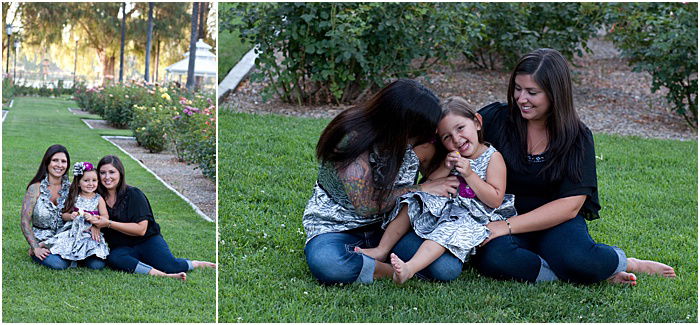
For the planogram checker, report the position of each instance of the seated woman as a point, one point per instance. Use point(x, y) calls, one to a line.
point(131, 231)
point(550, 158)
point(41, 209)
point(368, 157)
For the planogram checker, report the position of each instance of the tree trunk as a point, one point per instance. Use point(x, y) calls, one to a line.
point(149, 35)
point(155, 73)
point(203, 12)
point(121, 45)
point(108, 63)
point(193, 48)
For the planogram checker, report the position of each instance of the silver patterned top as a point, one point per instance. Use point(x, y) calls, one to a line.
point(46, 217)
point(330, 210)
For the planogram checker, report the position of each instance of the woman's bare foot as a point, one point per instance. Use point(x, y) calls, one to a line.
point(401, 270)
point(182, 275)
point(375, 253)
point(650, 267)
point(623, 278)
point(197, 264)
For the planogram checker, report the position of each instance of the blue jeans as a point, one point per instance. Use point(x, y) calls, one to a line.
point(331, 258)
point(141, 258)
point(56, 262)
point(565, 252)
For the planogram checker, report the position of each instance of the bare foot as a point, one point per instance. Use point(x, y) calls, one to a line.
point(401, 270)
point(197, 264)
point(623, 278)
point(182, 275)
point(650, 267)
point(375, 253)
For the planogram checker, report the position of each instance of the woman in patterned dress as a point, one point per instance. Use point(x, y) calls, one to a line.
point(369, 155)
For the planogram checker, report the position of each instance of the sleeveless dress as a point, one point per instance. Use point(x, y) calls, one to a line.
point(459, 223)
point(74, 241)
point(330, 210)
point(46, 216)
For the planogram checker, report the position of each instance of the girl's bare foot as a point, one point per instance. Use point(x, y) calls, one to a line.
point(197, 264)
point(650, 267)
point(623, 278)
point(375, 253)
point(401, 270)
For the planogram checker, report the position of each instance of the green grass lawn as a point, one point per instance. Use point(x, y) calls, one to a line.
point(648, 190)
point(33, 293)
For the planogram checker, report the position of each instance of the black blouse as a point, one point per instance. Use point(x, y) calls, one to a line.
point(131, 206)
point(531, 189)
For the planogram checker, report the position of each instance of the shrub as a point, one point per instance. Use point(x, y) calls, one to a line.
point(497, 34)
point(337, 52)
point(149, 126)
point(662, 39)
point(8, 89)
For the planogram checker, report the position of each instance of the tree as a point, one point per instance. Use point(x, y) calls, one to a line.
point(149, 35)
point(193, 47)
point(121, 44)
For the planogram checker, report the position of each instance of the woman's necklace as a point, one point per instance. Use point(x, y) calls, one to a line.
point(531, 149)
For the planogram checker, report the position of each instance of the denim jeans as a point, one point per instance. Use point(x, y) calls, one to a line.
point(565, 252)
point(331, 258)
point(141, 258)
point(55, 262)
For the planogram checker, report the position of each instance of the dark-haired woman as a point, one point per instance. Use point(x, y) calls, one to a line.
point(550, 158)
point(369, 155)
point(133, 236)
point(42, 205)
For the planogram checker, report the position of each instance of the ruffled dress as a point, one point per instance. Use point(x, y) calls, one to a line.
point(459, 223)
point(46, 216)
point(74, 240)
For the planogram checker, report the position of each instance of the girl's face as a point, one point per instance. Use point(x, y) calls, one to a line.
point(109, 176)
point(458, 133)
point(58, 165)
point(531, 99)
point(88, 183)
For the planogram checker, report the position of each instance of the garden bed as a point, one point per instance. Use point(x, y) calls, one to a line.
point(609, 97)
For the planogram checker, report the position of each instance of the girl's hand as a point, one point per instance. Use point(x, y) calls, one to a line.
point(464, 167)
point(95, 232)
point(452, 159)
point(41, 253)
point(74, 215)
point(87, 215)
point(98, 221)
point(445, 186)
point(497, 228)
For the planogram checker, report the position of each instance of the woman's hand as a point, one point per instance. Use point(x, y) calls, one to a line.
point(41, 253)
point(97, 221)
point(445, 186)
point(95, 232)
point(497, 228)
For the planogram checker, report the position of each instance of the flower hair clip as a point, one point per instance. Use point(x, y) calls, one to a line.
point(80, 167)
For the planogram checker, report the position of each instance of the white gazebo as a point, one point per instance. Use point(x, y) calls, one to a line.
point(205, 68)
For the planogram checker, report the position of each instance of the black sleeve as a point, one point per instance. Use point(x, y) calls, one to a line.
point(589, 181)
point(139, 208)
point(489, 111)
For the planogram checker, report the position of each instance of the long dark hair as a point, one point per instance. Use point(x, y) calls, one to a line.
point(121, 186)
point(402, 110)
point(458, 106)
point(75, 190)
point(566, 131)
point(44, 166)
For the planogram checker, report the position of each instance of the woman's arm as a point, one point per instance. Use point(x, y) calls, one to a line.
point(491, 191)
point(359, 186)
point(544, 217)
point(128, 228)
point(28, 204)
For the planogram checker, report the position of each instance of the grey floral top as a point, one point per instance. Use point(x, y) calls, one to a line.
point(46, 217)
point(330, 208)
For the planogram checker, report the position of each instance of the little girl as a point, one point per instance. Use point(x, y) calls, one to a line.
point(456, 224)
point(77, 239)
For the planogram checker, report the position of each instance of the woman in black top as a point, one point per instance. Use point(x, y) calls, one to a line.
point(550, 158)
point(133, 236)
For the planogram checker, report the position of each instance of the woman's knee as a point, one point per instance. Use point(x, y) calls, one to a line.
point(330, 264)
point(95, 263)
point(584, 266)
point(53, 261)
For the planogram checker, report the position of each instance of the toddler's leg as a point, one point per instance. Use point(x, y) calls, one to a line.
point(394, 231)
point(427, 253)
